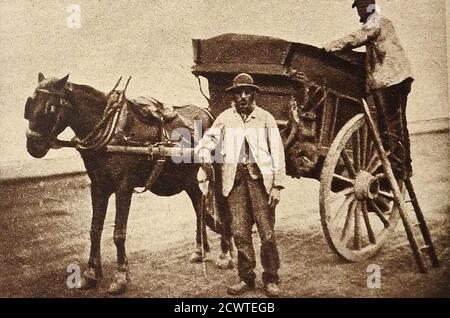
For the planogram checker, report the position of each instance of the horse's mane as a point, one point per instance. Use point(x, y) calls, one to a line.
point(96, 99)
point(89, 90)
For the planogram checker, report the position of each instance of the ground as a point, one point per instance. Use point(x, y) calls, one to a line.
point(44, 227)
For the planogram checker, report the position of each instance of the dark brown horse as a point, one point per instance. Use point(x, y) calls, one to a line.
point(57, 104)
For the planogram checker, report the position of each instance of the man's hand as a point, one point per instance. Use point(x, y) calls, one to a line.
point(204, 155)
point(274, 197)
point(203, 182)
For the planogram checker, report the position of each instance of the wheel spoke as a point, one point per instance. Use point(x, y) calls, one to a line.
point(371, 152)
point(357, 237)
point(348, 222)
point(342, 208)
point(364, 153)
point(342, 178)
point(373, 163)
point(386, 195)
point(380, 176)
point(348, 163)
point(356, 150)
point(380, 214)
point(372, 239)
point(383, 203)
point(346, 192)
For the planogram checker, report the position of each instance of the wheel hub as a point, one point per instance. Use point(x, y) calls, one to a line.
point(366, 186)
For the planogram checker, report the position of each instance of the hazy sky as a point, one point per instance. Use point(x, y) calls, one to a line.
point(151, 40)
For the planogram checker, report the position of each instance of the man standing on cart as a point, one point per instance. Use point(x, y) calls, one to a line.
point(389, 80)
point(251, 151)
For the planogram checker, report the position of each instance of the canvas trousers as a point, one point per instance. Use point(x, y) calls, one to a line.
point(248, 203)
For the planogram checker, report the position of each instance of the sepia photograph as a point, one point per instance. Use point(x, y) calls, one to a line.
point(224, 149)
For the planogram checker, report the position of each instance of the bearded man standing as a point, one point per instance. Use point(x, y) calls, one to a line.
point(253, 169)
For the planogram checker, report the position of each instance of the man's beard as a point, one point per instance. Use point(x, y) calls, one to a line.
point(245, 108)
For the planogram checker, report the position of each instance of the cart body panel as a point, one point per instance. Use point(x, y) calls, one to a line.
point(279, 68)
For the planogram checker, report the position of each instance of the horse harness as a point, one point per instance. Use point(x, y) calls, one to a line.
point(64, 103)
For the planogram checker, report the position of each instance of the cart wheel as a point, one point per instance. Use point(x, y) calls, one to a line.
point(356, 204)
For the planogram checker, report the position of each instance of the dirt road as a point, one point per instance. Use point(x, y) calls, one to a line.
point(44, 227)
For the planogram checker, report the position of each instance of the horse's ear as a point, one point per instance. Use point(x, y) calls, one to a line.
point(41, 77)
point(62, 82)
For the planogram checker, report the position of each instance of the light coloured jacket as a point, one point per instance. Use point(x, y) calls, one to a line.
point(386, 62)
point(261, 132)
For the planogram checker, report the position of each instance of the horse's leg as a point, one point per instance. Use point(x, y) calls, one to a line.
point(99, 199)
point(195, 195)
point(225, 260)
point(123, 203)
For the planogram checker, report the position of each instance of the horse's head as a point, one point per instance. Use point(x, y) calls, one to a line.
point(47, 113)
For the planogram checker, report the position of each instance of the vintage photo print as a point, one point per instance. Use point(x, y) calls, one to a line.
point(224, 149)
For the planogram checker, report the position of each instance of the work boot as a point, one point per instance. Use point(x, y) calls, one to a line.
point(272, 290)
point(240, 288)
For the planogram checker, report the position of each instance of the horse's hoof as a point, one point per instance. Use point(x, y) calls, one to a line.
point(196, 257)
point(225, 262)
point(87, 283)
point(119, 286)
point(88, 280)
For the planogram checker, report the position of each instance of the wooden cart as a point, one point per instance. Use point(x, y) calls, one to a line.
point(329, 134)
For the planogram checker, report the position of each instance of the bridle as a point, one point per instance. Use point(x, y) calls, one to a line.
point(60, 109)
